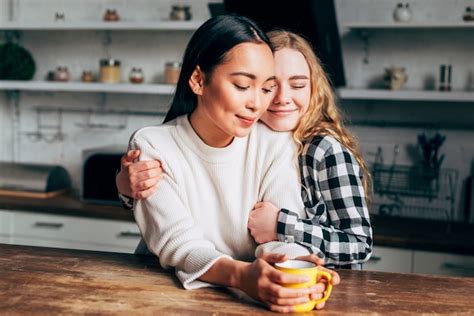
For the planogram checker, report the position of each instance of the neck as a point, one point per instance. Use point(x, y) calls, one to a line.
point(209, 132)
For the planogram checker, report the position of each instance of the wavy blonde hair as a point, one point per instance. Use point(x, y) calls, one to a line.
point(323, 116)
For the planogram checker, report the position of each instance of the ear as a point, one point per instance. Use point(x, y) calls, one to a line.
point(196, 81)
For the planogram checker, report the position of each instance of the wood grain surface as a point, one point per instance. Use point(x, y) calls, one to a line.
point(46, 281)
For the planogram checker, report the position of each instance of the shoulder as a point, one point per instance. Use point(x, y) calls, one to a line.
point(151, 135)
point(323, 147)
point(271, 141)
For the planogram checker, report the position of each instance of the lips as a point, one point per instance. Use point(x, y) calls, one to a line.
point(282, 112)
point(246, 119)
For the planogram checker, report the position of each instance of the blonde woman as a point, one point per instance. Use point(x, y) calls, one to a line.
point(334, 178)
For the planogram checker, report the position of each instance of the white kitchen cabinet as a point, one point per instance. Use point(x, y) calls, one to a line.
point(426, 262)
point(386, 259)
point(73, 232)
point(5, 225)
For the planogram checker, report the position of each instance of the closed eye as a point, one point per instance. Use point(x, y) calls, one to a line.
point(269, 90)
point(298, 86)
point(241, 87)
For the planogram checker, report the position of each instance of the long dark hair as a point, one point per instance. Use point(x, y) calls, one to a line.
point(207, 48)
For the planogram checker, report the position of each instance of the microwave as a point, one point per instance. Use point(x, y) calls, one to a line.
point(99, 168)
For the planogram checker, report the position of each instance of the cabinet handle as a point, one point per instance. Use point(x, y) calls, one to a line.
point(48, 225)
point(451, 265)
point(128, 234)
point(375, 258)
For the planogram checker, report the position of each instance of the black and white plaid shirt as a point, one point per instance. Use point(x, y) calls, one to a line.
point(338, 225)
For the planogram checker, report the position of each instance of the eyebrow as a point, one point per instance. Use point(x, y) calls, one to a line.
point(249, 75)
point(299, 77)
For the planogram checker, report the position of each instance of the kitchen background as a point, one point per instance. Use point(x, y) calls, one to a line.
point(55, 127)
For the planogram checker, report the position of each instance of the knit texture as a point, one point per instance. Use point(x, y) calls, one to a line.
point(200, 209)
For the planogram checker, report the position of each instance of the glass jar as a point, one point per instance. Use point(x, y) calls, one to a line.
point(109, 71)
point(62, 74)
point(402, 13)
point(87, 76)
point(180, 13)
point(172, 70)
point(136, 75)
point(111, 15)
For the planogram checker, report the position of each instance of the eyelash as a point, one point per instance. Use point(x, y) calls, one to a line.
point(263, 89)
point(268, 90)
point(298, 86)
point(241, 88)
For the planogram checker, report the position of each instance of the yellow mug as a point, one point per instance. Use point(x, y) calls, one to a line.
point(313, 272)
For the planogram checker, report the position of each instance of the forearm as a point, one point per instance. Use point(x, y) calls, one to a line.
point(225, 272)
point(350, 246)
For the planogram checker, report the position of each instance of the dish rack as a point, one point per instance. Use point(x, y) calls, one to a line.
point(414, 191)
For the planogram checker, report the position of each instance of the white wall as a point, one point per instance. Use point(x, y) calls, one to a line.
point(420, 52)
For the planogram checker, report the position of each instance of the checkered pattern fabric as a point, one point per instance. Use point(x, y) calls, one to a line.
point(337, 227)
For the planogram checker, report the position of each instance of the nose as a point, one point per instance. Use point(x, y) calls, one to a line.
point(282, 96)
point(256, 102)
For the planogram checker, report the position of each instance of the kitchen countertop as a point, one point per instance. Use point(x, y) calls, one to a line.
point(37, 280)
point(398, 232)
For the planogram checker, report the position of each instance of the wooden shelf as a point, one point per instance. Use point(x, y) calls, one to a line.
point(105, 26)
point(409, 25)
point(163, 89)
point(405, 95)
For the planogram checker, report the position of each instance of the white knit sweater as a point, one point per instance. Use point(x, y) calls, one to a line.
point(200, 210)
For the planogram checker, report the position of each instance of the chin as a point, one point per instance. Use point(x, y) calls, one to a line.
point(242, 132)
point(281, 126)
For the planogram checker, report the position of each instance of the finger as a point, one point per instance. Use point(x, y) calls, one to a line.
point(281, 309)
point(146, 184)
point(312, 258)
point(152, 164)
point(258, 204)
point(318, 288)
point(146, 193)
point(320, 305)
point(144, 165)
point(275, 290)
point(133, 154)
point(286, 278)
point(335, 276)
point(316, 296)
point(271, 257)
point(288, 301)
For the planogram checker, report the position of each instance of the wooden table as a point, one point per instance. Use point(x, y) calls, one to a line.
point(59, 281)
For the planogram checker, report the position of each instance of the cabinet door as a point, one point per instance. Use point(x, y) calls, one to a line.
point(443, 263)
point(5, 223)
point(37, 242)
point(386, 259)
point(99, 234)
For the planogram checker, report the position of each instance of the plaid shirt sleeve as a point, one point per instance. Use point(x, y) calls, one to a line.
point(337, 227)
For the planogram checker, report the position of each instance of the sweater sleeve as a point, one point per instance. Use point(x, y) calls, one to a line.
point(280, 186)
point(338, 226)
point(168, 228)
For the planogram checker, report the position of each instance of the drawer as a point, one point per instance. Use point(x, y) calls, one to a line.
point(75, 229)
point(426, 262)
point(25, 241)
point(386, 259)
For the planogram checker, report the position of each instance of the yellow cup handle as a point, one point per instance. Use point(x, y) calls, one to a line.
point(328, 277)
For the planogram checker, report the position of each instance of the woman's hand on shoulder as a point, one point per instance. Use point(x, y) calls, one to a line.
point(262, 222)
point(263, 282)
point(138, 179)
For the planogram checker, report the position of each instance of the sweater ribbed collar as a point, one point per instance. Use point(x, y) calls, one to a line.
point(207, 153)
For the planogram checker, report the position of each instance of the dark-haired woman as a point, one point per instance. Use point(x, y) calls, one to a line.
point(217, 164)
